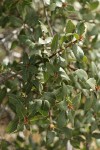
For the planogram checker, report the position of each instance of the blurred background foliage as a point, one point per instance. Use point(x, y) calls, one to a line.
point(49, 74)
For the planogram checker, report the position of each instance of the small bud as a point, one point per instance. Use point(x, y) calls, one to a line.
point(52, 126)
point(64, 4)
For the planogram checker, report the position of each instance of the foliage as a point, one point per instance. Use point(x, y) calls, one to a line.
point(55, 84)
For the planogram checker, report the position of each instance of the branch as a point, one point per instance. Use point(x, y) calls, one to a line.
point(87, 142)
point(46, 15)
point(61, 50)
point(77, 19)
point(9, 75)
point(87, 146)
point(71, 67)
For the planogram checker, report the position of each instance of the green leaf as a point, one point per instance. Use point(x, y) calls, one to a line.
point(94, 69)
point(65, 38)
point(30, 44)
point(50, 137)
point(14, 44)
point(70, 8)
point(75, 143)
point(52, 6)
point(94, 31)
point(31, 17)
point(34, 59)
point(88, 104)
point(78, 52)
point(37, 104)
point(85, 59)
point(81, 74)
point(62, 105)
point(38, 85)
point(47, 2)
point(69, 89)
point(25, 74)
point(46, 105)
point(85, 92)
point(16, 22)
point(66, 90)
point(49, 96)
point(92, 83)
point(76, 101)
point(20, 127)
point(2, 94)
point(61, 119)
point(43, 27)
point(17, 103)
point(97, 106)
point(94, 126)
point(94, 5)
point(45, 41)
point(55, 42)
point(76, 36)
point(25, 58)
point(80, 28)
point(13, 99)
point(12, 126)
point(68, 132)
point(63, 74)
point(96, 135)
point(70, 27)
point(35, 118)
point(71, 116)
point(23, 38)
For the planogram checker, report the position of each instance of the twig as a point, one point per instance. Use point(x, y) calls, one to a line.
point(77, 19)
point(87, 143)
point(8, 75)
point(50, 116)
point(87, 146)
point(72, 68)
point(46, 15)
point(61, 50)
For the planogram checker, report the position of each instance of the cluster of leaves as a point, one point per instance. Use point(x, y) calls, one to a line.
point(56, 81)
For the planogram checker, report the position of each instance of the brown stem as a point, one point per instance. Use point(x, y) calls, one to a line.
point(87, 146)
point(7, 76)
point(61, 50)
point(46, 15)
point(87, 143)
point(50, 115)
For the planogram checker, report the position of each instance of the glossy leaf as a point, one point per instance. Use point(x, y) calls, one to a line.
point(12, 126)
point(80, 28)
point(77, 101)
point(81, 74)
point(55, 42)
point(70, 27)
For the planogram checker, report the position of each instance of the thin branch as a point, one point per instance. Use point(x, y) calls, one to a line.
point(88, 21)
point(87, 142)
point(9, 75)
point(87, 146)
point(71, 67)
point(61, 50)
point(46, 15)
point(50, 116)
